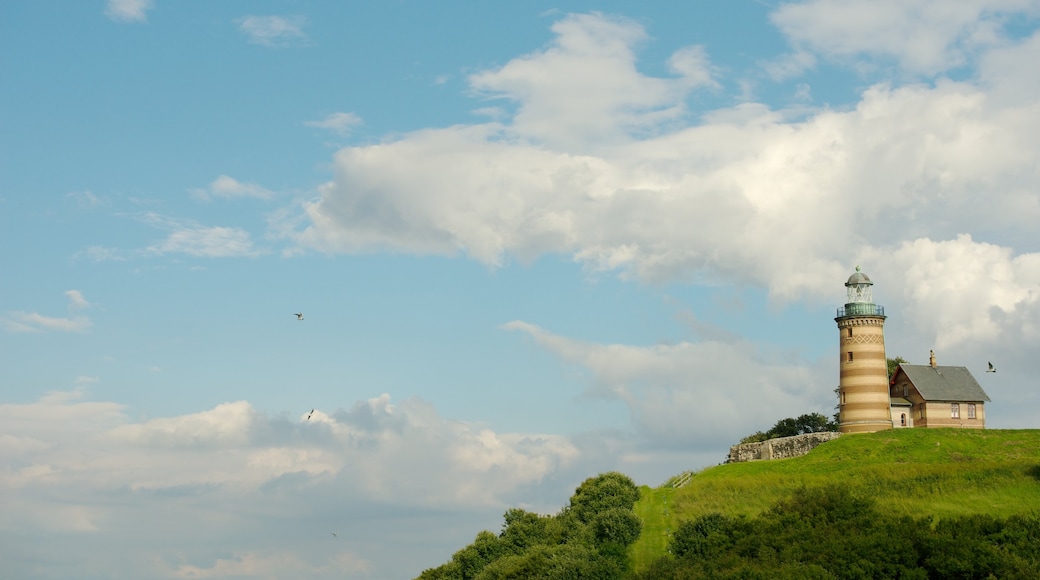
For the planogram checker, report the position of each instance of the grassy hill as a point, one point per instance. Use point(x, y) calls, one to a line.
point(912, 472)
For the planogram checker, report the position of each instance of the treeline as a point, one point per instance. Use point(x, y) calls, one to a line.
point(830, 533)
point(816, 533)
point(808, 423)
point(587, 539)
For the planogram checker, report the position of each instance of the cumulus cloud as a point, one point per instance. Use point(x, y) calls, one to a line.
point(201, 476)
point(339, 122)
point(273, 31)
point(584, 88)
point(229, 187)
point(128, 10)
point(932, 187)
point(744, 196)
point(922, 36)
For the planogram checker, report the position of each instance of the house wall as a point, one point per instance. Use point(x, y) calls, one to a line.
point(937, 414)
point(897, 421)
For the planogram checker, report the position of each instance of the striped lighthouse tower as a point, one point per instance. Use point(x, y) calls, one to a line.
point(864, 405)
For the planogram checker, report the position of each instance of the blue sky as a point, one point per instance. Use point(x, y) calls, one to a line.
point(531, 242)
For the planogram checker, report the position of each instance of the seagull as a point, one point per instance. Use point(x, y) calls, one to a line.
point(992, 369)
point(334, 534)
point(299, 316)
point(309, 414)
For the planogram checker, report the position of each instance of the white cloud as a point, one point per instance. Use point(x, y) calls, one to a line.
point(190, 238)
point(209, 242)
point(745, 196)
point(229, 187)
point(339, 122)
point(273, 31)
point(19, 321)
point(76, 299)
point(185, 237)
point(962, 291)
point(266, 489)
point(692, 395)
point(922, 36)
point(932, 187)
point(693, 64)
point(128, 10)
point(789, 65)
point(277, 565)
point(35, 322)
point(584, 89)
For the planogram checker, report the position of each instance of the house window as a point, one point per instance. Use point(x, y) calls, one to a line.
point(906, 390)
point(902, 419)
point(955, 410)
point(971, 410)
point(849, 359)
point(849, 332)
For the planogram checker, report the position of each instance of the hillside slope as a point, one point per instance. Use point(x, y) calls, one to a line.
point(912, 472)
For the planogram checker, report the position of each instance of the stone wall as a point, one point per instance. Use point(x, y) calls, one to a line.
point(779, 448)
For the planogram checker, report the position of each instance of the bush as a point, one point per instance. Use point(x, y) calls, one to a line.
point(617, 526)
point(603, 492)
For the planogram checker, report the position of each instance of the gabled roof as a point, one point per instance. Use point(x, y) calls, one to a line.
point(943, 383)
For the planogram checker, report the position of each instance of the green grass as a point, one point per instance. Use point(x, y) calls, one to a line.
point(913, 472)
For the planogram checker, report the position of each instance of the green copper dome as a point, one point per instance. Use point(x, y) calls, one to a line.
point(860, 297)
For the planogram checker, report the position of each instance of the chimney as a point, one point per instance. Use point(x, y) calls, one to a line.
point(931, 358)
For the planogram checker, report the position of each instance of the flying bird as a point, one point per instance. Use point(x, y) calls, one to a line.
point(992, 369)
point(299, 316)
point(309, 414)
point(334, 534)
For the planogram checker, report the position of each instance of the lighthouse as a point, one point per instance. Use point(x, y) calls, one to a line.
point(864, 405)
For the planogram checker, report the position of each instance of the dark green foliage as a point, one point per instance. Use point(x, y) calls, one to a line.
point(823, 532)
point(828, 532)
point(603, 492)
point(523, 529)
point(616, 526)
point(791, 426)
point(586, 540)
point(703, 536)
point(559, 562)
point(892, 364)
point(469, 561)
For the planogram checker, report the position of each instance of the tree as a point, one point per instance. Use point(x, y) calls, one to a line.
point(523, 529)
point(892, 364)
point(815, 423)
point(700, 537)
point(617, 526)
point(808, 423)
point(600, 493)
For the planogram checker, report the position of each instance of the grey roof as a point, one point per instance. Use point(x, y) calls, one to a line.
point(944, 383)
point(858, 278)
point(901, 402)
